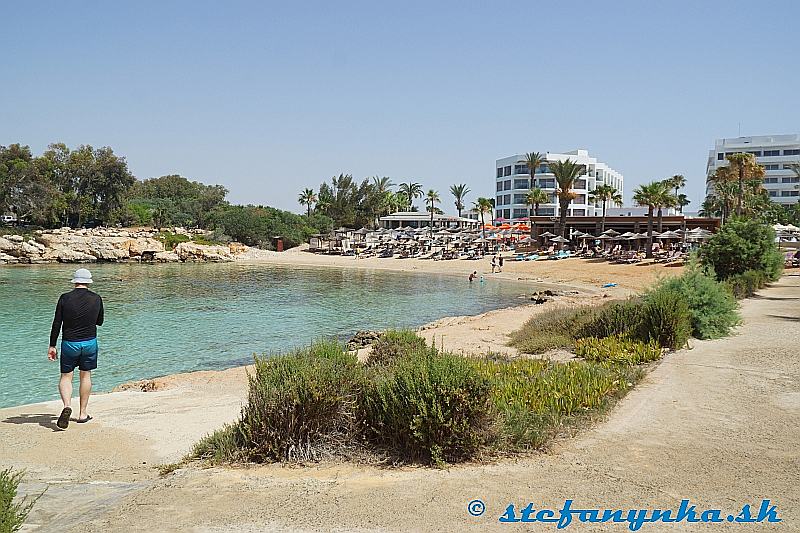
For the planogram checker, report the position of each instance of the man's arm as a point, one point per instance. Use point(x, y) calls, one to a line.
point(100, 312)
point(54, 331)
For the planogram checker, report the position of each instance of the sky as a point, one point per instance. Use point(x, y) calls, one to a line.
point(268, 98)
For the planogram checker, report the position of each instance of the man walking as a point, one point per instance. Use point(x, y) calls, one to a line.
point(78, 313)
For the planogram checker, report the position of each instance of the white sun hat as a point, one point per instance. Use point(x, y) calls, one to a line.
point(82, 277)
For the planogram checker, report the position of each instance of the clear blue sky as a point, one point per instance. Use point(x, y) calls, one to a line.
point(268, 98)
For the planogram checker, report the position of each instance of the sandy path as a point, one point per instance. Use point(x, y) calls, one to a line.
point(719, 424)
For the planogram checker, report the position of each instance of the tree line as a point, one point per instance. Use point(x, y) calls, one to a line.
point(354, 204)
point(93, 186)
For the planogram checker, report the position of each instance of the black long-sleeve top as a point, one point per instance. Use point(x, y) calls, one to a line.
point(79, 311)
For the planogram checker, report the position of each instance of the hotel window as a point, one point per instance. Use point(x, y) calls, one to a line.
point(790, 193)
point(519, 213)
point(522, 184)
point(791, 152)
point(549, 183)
point(500, 172)
point(543, 169)
point(770, 180)
point(519, 198)
point(773, 193)
point(499, 186)
point(498, 214)
point(506, 213)
point(771, 153)
point(507, 185)
point(580, 184)
point(506, 199)
point(499, 200)
point(546, 211)
point(720, 156)
point(757, 153)
point(580, 199)
point(771, 167)
point(788, 166)
point(795, 179)
point(507, 171)
point(578, 212)
point(520, 169)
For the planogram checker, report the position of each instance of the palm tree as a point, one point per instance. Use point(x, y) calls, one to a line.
point(677, 182)
point(745, 167)
point(382, 185)
point(432, 198)
point(605, 193)
point(483, 206)
point(649, 195)
point(666, 199)
point(533, 160)
point(683, 201)
point(459, 192)
point(412, 190)
point(306, 198)
point(534, 198)
point(565, 173)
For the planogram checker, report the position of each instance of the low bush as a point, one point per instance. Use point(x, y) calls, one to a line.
point(664, 318)
point(171, 240)
point(12, 513)
point(712, 308)
point(617, 349)
point(393, 344)
point(297, 405)
point(537, 399)
point(614, 318)
point(746, 284)
point(742, 245)
point(432, 408)
point(557, 328)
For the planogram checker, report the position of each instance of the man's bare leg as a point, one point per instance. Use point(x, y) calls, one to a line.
point(85, 391)
point(65, 388)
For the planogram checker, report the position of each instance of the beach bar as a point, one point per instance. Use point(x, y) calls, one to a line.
point(417, 219)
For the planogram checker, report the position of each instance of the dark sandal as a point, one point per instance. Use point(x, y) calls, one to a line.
point(83, 420)
point(63, 420)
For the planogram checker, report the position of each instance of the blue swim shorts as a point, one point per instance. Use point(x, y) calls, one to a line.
point(82, 354)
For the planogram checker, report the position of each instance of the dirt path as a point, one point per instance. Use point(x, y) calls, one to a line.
point(718, 424)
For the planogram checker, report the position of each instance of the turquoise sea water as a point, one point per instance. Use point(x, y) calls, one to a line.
point(164, 319)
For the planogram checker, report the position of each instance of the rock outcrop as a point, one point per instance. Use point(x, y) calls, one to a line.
point(66, 245)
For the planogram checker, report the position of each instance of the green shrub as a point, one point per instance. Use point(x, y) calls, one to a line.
point(297, 404)
point(614, 318)
point(664, 318)
point(558, 328)
point(171, 240)
point(742, 245)
point(432, 408)
point(393, 344)
point(537, 399)
point(12, 514)
point(746, 284)
point(617, 349)
point(711, 306)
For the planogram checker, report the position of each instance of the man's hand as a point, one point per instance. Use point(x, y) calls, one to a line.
point(52, 354)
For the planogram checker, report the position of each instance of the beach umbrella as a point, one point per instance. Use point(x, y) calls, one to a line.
point(625, 235)
point(547, 234)
point(559, 239)
point(610, 232)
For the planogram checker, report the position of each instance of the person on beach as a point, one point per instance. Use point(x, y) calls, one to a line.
point(473, 276)
point(494, 263)
point(78, 313)
point(500, 263)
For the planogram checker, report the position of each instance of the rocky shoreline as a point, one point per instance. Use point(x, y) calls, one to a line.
point(68, 245)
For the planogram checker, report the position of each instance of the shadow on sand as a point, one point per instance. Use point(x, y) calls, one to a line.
point(45, 420)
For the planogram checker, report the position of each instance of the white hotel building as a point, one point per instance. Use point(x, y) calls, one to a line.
point(776, 153)
point(513, 182)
